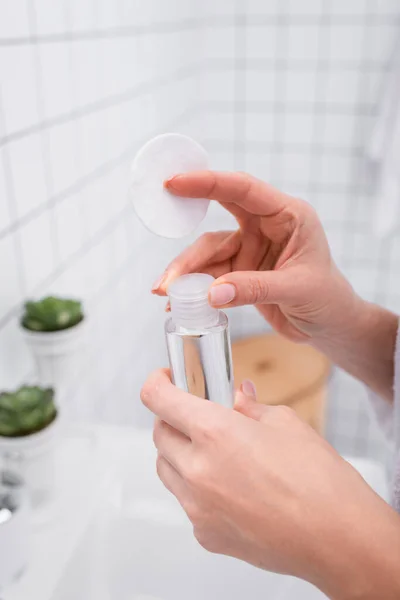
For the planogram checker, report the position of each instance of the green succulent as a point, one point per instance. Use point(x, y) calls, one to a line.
point(25, 411)
point(51, 314)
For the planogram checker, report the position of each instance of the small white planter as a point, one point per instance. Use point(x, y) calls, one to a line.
point(15, 533)
point(32, 457)
point(58, 355)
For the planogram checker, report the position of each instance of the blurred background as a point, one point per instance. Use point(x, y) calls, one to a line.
point(286, 90)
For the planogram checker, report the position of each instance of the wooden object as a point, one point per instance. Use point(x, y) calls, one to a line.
point(284, 373)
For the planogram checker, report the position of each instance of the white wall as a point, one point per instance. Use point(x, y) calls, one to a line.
point(290, 93)
point(284, 89)
point(83, 84)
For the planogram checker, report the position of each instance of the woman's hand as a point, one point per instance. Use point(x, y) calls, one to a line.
point(278, 259)
point(260, 485)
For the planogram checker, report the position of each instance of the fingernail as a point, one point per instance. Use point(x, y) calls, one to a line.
point(248, 388)
point(168, 307)
point(222, 293)
point(170, 183)
point(158, 282)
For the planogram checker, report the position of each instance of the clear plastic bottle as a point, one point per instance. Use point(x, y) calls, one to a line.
point(198, 341)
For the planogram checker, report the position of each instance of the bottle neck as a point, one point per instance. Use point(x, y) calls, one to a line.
point(193, 315)
point(188, 296)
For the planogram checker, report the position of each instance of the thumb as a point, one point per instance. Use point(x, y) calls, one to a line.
point(246, 403)
point(252, 287)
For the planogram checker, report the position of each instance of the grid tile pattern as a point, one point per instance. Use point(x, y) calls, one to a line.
point(286, 90)
point(83, 85)
point(293, 103)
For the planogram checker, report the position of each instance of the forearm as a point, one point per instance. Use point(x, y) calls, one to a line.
point(365, 563)
point(365, 346)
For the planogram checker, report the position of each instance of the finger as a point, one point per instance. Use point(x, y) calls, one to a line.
point(218, 270)
point(249, 389)
point(252, 194)
point(179, 409)
point(215, 270)
point(171, 479)
point(256, 287)
point(210, 249)
point(171, 444)
point(246, 401)
point(250, 408)
point(252, 252)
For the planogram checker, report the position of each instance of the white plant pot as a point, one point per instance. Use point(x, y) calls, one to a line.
point(58, 356)
point(15, 535)
point(32, 457)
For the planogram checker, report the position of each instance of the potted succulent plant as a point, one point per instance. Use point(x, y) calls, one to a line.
point(53, 329)
point(28, 419)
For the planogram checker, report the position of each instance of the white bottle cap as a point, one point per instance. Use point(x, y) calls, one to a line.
point(160, 159)
point(188, 296)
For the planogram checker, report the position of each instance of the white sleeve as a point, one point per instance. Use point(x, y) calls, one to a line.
point(388, 414)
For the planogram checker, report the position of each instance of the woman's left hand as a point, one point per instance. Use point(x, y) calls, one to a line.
point(260, 485)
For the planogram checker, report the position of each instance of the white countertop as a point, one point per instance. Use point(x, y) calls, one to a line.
point(86, 462)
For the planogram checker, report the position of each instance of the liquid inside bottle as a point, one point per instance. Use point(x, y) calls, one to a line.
point(198, 341)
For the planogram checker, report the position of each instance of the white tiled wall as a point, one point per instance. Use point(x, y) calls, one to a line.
point(284, 89)
point(83, 84)
point(290, 94)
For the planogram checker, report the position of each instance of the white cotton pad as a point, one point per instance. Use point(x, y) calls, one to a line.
point(159, 210)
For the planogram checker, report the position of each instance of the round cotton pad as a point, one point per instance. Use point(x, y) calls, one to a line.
point(159, 210)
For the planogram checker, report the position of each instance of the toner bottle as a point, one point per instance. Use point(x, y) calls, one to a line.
point(198, 341)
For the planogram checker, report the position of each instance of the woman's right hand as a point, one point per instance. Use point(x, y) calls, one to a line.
point(278, 259)
point(260, 485)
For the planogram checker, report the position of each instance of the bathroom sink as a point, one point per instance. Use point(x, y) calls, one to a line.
point(140, 546)
point(138, 543)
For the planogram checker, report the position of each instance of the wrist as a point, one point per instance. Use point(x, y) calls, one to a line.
point(346, 317)
point(368, 567)
point(361, 338)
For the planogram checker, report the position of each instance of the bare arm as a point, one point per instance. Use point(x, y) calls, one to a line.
point(279, 260)
point(364, 562)
point(365, 346)
point(262, 486)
